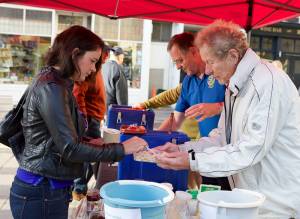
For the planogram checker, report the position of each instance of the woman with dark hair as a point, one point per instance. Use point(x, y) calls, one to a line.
point(90, 96)
point(54, 152)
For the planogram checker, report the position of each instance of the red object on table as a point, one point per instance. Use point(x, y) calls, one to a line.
point(133, 129)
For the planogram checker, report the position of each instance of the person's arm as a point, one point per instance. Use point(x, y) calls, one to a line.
point(176, 123)
point(121, 88)
point(54, 108)
point(165, 98)
point(79, 92)
point(181, 106)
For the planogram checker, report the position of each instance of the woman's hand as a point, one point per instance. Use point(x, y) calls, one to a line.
point(134, 144)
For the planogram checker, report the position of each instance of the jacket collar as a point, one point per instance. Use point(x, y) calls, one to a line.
point(243, 71)
point(50, 73)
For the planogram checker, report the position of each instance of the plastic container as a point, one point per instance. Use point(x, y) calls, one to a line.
point(235, 204)
point(128, 199)
point(126, 115)
point(178, 208)
point(93, 200)
point(130, 169)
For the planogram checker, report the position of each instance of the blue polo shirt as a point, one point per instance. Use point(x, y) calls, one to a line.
point(205, 90)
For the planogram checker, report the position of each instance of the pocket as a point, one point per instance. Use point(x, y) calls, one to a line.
point(25, 200)
point(57, 207)
point(17, 204)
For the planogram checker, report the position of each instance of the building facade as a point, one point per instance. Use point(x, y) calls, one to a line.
point(280, 42)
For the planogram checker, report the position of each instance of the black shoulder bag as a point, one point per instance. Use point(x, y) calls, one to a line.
point(11, 132)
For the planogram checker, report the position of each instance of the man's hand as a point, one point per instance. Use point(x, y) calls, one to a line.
point(175, 160)
point(202, 111)
point(168, 147)
point(139, 106)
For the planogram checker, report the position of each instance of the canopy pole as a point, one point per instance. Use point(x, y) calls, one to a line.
point(249, 36)
point(250, 14)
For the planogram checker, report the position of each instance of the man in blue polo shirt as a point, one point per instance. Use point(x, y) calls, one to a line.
point(202, 89)
point(201, 94)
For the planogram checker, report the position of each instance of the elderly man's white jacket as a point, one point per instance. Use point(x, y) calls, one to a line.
point(264, 153)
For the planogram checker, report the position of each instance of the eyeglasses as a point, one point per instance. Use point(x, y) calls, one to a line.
point(178, 61)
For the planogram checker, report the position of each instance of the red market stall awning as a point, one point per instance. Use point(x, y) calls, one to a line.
point(250, 14)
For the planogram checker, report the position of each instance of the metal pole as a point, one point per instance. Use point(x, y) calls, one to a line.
point(249, 36)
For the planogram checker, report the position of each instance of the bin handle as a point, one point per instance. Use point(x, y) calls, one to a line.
point(144, 121)
point(119, 118)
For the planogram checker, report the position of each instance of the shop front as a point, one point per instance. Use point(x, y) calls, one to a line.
point(280, 42)
point(26, 33)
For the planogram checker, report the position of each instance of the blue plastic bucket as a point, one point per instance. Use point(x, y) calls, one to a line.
point(128, 199)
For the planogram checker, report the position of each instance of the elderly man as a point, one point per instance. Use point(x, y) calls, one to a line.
point(258, 138)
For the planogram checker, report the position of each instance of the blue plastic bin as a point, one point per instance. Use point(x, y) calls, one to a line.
point(127, 195)
point(128, 168)
point(125, 115)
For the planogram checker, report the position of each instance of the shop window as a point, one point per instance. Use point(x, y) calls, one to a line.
point(11, 20)
point(132, 61)
point(266, 55)
point(66, 21)
point(38, 22)
point(297, 67)
point(131, 29)
point(89, 22)
point(287, 45)
point(128, 34)
point(106, 28)
point(161, 31)
point(21, 57)
point(266, 43)
point(297, 46)
point(254, 42)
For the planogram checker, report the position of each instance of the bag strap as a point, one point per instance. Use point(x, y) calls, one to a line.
point(19, 107)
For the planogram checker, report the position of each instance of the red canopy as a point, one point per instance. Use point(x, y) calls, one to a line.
point(249, 14)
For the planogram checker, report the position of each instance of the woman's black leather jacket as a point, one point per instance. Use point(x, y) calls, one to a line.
point(53, 128)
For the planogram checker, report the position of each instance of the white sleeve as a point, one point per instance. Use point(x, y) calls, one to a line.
point(267, 113)
point(215, 139)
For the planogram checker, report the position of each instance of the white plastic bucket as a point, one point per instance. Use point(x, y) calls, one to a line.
point(235, 204)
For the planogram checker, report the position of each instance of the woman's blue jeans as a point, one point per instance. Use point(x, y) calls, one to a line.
point(38, 202)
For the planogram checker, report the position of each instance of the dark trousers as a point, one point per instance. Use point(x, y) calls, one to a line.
point(221, 181)
point(36, 202)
